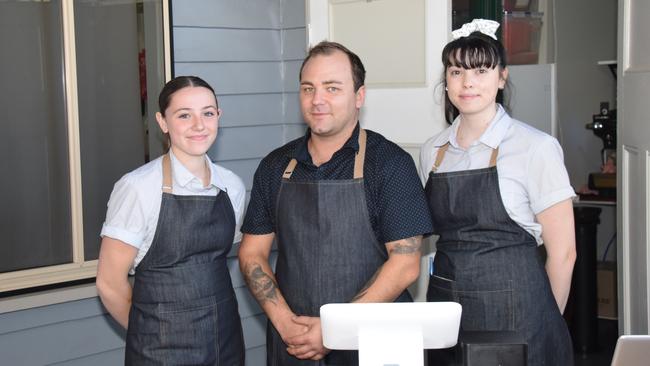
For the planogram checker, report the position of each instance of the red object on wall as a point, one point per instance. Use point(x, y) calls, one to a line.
point(521, 36)
point(516, 5)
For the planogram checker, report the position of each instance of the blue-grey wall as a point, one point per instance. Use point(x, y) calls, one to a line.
point(250, 52)
point(73, 333)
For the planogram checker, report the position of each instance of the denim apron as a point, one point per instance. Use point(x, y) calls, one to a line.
point(327, 251)
point(490, 265)
point(184, 310)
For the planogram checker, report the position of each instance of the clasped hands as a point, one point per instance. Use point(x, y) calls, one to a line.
point(304, 339)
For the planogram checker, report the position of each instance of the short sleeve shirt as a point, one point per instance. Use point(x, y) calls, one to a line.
point(396, 202)
point(530, 164)
point(134, 205)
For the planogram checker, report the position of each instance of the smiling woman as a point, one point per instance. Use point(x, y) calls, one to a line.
point(79, 92)
point(497, 188)
point(175, 240)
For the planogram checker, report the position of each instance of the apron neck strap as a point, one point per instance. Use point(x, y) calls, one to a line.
point(167, 174)
point(361, 155)
point(358, 159)
point(493, 157)
point(289, 169)
point(443, 149)
point(439, 156)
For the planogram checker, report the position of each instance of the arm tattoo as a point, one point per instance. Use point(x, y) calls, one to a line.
point(263, 286)
point(365, 288)
point(407, 246)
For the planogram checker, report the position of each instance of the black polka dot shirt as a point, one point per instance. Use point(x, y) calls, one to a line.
point(396, 202)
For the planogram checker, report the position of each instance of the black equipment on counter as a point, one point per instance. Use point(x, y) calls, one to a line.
point(493, 348)
point(603, 125)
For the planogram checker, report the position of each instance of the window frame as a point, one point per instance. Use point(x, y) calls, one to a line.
point(79, 268)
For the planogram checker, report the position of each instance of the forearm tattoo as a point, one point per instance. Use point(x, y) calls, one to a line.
point(365, 287)
point(407, 246)
point(263, 286)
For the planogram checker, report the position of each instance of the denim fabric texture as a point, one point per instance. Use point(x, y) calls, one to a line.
point(327, 252)
point(490, 265)
point(184, 310)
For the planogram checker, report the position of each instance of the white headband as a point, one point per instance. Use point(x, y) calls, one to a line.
point(485, 26)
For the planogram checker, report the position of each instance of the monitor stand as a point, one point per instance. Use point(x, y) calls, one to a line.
point(390, 334)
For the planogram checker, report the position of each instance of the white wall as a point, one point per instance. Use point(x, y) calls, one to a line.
point(407, 116)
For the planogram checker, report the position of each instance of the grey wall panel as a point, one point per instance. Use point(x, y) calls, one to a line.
point(237, 77)
point(254, 331)
point(235, 275)
point(293, 13)
point(291, 79)
point(59, 342)
point(292, 112)
point(232, 254)
point(227, 13)
point(249, 109)
point(292, 132)
point(295, 44)
point(108, 358)
point(19, 320)
point(209, 44)
point(248, 306)
point(246, 142)
point(245, 169)
point(256, 356)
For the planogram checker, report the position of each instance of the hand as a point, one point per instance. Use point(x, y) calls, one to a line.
point(310, 344)
point(288, 329)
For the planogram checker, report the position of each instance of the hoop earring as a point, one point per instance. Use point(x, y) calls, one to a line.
point(446, 89)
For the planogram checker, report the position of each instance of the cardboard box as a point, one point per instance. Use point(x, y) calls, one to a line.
point(607, 294)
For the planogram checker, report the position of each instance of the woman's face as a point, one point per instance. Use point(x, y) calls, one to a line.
point(474, 91)
point(191, 119)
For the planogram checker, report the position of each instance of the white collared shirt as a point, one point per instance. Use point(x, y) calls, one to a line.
point(133, 208)
point(532, 175)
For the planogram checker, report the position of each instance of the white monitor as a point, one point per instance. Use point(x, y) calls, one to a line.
point(390, 333)
point(632, 350)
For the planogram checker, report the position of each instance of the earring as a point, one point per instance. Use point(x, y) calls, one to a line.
point(446, 89)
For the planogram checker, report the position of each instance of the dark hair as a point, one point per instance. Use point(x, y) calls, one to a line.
point(327, 48)
point(471, 52)
point(177, 84)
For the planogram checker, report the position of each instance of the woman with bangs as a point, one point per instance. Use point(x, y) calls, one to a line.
point(497, 189)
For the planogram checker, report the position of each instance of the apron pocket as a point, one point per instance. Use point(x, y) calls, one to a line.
point(188, 331)
point(484, 309)
point(487, 310)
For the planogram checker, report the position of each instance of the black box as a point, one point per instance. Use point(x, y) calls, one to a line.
point(493, 349)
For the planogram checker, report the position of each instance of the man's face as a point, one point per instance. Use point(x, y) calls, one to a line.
point(329, 104)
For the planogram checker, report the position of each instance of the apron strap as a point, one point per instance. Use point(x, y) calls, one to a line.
point(439, 156)
point(358, 159)
point(493, 157)
point(289, 169)
point(443, 149)
point(361, 155)
point(167, 174)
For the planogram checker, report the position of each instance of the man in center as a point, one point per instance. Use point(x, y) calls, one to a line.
point(346, 208)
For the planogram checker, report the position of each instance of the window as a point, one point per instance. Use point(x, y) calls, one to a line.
point(78, 94)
